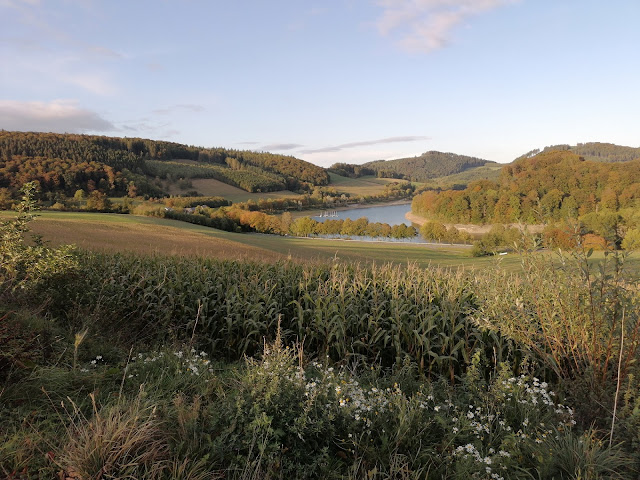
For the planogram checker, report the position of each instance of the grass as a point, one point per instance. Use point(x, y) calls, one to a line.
point(112, 232)
point(367, 185)
point(212, 187)
point(490, 172)
point(143, 235)
point(149, 235)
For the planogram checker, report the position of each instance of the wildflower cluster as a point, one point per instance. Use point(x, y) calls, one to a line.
point(470, 452)
point(361, 404)
point(189, 362)
point(185, 370)
point(513, 415)
point(98, 360)
point(192, 362)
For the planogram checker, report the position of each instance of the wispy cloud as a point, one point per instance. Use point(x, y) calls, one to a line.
point(425, 25)
point(46, 46)
point(280, 146)
point(55, 116)
point(366, 143)
point(184, 107)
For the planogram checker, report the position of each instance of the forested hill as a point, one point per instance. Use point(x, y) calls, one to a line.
point(546, 187)
point(65, 162)
point(594, 151)
point(421, 168)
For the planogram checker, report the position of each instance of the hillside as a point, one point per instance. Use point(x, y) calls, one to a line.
point(457, 181)
point(546, 187)
point(65, 163)
point(424, 167)
point(594, 151)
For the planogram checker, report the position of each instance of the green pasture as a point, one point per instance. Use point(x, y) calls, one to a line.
point(133, 233)
point(59, 227)
point(366, 185)
point(212, 187)
point(489, 172)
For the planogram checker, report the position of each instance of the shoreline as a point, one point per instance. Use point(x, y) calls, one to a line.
point(474, 229)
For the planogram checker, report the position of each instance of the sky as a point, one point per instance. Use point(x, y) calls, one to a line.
point(327, 81)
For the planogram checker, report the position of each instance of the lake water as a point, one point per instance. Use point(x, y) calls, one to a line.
point(391, 214)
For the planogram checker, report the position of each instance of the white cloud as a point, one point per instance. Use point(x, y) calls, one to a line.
point(56, 116)
point(425, 25)
point(280, 146)
point(337, 148)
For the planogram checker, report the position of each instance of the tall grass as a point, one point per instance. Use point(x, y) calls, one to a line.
point(381, 314)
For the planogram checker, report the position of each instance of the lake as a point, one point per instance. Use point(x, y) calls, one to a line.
point(391, 214)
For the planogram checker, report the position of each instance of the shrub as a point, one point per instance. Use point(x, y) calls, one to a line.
point(28, 268)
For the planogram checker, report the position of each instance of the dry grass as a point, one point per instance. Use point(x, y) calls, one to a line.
point(146, 238)
point(117, 442)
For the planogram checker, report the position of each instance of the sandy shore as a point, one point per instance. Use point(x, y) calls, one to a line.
point(472, 228)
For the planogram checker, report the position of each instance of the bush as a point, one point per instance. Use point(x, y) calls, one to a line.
point(26, 269)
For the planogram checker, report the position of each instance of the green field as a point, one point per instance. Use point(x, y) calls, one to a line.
point(489, 172)
point(366, 185)
point(211, 188)
point(112, 232)
point(354, 187)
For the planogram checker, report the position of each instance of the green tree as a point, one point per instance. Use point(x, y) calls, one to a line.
point(550, 203)
point(98, 201)
point(433, 230)
point(303, 226)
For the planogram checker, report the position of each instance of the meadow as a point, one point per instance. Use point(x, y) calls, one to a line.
point(211, 186)
point(149, 235)
point(150, 365)
point(365, 185)
point(489, 172)
point(356, 187)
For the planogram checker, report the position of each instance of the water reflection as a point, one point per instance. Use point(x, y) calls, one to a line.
point(391, 214)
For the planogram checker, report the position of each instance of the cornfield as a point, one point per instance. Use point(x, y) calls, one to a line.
point(383, 314)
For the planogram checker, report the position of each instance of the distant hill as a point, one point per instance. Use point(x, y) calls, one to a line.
point(64, 163)
point(424, 167)
point(548, 186)
point(459, 181)
point(594, 151)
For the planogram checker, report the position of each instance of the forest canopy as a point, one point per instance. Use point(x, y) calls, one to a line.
point(544, 188)
point(421, 168)
point(64, 163)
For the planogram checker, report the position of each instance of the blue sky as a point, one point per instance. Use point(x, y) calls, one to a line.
point(327, 81)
